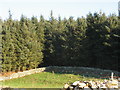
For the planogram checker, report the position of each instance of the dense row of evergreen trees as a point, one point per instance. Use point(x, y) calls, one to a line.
point(22, 44)
point(90, 42)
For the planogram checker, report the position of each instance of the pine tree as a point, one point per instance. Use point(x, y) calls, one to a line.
point(95, 38)
point(30, 43)
point(8, 47)
point(1, 45)
point(50, 31)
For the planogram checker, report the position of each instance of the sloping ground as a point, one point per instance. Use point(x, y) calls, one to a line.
point(11, 75)
point(84, 71)
point(54, 77)
point(44, 80)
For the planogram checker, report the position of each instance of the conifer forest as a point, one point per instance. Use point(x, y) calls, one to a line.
point(91, 41)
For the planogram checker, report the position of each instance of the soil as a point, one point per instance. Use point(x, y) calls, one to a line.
point(6, 74)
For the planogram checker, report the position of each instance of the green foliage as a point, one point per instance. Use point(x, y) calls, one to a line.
point(99, 41)
point(91, 42)
point(22, 44)
point(0, 45)
point(88, 41)
point(45, 80)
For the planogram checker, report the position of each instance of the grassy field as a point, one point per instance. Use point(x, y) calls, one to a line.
point(44, 80)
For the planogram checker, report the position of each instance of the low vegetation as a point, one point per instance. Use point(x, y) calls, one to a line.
point(45, 80)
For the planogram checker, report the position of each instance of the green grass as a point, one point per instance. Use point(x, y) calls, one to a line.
point(44, 80)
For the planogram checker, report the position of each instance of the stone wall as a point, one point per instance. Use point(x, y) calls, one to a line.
point(85, 71)
point(21, 74)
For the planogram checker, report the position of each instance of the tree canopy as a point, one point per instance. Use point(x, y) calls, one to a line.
point(30, 43)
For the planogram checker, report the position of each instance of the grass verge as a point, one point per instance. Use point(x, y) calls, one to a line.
point(45, 80)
